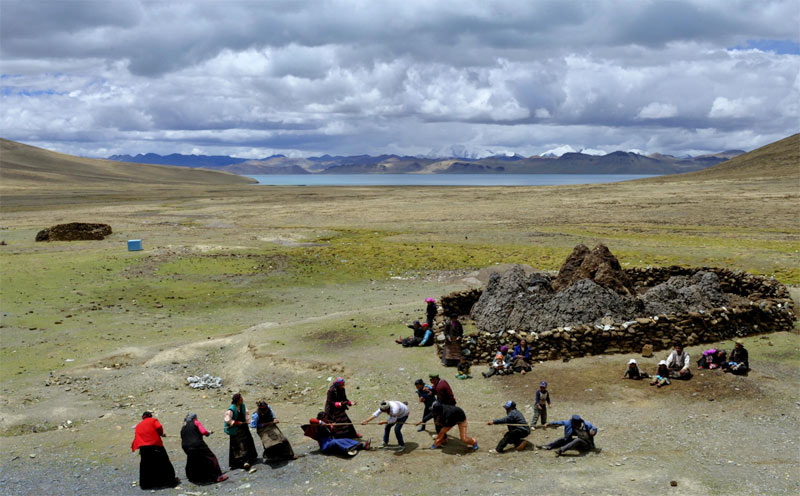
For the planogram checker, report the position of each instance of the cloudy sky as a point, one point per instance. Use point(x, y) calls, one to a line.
point(254, 78)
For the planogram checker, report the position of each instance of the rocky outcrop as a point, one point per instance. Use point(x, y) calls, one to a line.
point(74, 231)
point(599, 265)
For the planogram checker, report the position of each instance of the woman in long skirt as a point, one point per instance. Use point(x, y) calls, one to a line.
point(242, 453)
point(155, 469)
point(336, 406)
point(202, 466)
point(276, 446)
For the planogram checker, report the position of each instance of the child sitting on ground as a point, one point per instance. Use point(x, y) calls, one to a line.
point(464, 369)
point(633, 371)
point(662, 375)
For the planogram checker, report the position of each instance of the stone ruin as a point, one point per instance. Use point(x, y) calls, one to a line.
point(74, 231)
point(593, 306)
point(206, 381)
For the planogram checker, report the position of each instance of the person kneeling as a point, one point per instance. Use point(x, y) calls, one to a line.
point(517, 428)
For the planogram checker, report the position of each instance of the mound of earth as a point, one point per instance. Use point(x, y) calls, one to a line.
point(599, 265)
point(516, 300)
point(74, 231)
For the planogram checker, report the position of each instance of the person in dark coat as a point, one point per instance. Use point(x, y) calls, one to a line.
point(634, 372)
point(336, 406)
point(453, 334)
point(427, 397)
point(276, 446)
point(321, 431)
point(441, 388)
point(416, 339)
point(242, 452)
point(202, 466)
point(738, 361)
point(430, 311)
point(578, 435)
point(155, 469)
point(517, 428)
point(449, 416)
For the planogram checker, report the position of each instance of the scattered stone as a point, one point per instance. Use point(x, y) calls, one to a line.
point(673, 483)
point(206, 381)
point(647, 350)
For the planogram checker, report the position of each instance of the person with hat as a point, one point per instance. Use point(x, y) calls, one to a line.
point(661, 378)
point(541, 404)
point(501, 363)
point(449, 416)
point(336, 406)
point(242, 452)
point(578, 435)
point(276, 446)
point(155, 469)
point(517, 428)
point(633, 372)
point(427, 397)
point(678, 363)
point(430, 312)
point(202, 466)
point(398, 415)
point(738, 362)
point(416, 339)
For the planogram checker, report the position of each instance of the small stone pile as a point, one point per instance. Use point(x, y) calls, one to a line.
point(206, 381)
point(74, 231)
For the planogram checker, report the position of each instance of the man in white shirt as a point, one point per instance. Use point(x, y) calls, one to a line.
point(678, 363)
point(398, 414)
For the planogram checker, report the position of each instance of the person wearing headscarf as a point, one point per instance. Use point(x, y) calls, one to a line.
point(518, 428)
point(155, 469)
point(430, 311)
point(276, 446)
point(578, 435)
point(336, 405)
point(449, 416)
point(633, 371)
point(321, 430)
point(521, 359)
point(661, 378)
point(202, 466)
point(242, 453)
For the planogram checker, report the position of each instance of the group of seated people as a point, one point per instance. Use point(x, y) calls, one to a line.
point(505, 362)
point(423, 335)
point(676, 366)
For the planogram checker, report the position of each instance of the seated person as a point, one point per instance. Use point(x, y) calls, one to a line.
point(521, 359)
point(633, 371)
point(662, 375)
point(678, 364)
point(416, 339)
point(464, 369)
point(738, 362)
point(320, 430)
point(501, 364)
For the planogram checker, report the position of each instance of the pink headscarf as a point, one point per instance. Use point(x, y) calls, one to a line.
point(430, 300)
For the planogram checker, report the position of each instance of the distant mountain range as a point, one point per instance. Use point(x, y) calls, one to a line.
point(568, 163)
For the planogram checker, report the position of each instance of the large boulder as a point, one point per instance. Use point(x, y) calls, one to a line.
point(74, 231)
point(502, 292)
point(599, 265)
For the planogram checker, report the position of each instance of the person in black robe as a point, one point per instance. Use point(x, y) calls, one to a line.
point(336, 406)
point(155, 469)
point(202, 466)
point(242, 453)
point(430, 312)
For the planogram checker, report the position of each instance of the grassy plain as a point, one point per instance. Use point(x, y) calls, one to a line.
point(278, 288)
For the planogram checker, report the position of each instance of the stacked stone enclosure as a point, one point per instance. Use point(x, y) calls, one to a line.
point(766, 307)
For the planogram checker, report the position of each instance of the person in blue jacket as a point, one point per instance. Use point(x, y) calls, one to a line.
point(578, 435)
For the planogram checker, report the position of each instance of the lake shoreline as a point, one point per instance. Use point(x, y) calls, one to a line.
point(423, 180)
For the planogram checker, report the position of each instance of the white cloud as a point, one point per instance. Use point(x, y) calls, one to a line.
point(657, 110)
point(738, 107)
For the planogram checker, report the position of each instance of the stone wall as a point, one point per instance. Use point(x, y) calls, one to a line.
point(768, 308)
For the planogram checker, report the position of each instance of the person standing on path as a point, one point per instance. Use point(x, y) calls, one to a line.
point(541, 404)
point(336, 406)
point(242, 452)
point(155, 469)
point(517, 428)
point(202, 466)
point(398, 415)
point(430, 312)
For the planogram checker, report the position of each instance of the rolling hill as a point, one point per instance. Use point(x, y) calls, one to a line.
point(27, 166)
